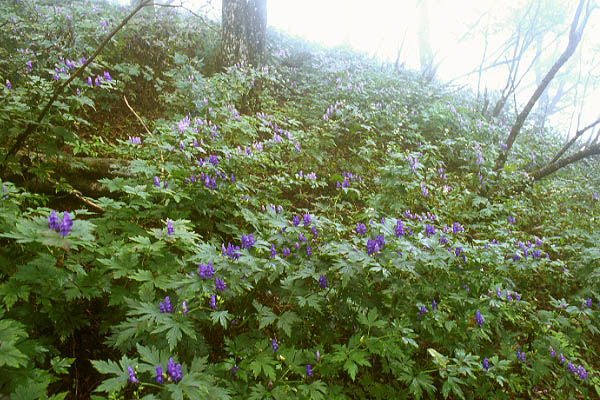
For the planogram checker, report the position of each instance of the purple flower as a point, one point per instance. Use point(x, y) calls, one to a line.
point(309, 373)
point(53, 221)
point(274, 344)
point(372, 247)
point(306, 219)
point(174, 371)
point(132, 377)
point(65, 225)
point(581, 372)
point(28, 66)
point(571, 367)
point(159, 375)
point(205, 271)
point(361, 229)
point(589, 303)
point(230, 251)
point(434, 305)
point(314, 231)
point(561, 358)
point(456, 227)
point(552, 352)
point(422, 310)
point(520, 356)
point(107, 76)
point(169, 228)
point(220, 285)
point(247, 241)
point(212, 302)
point(429, 230)
point(166, 306)
point(295, 220)
point(399, 229)
point(486, 364)
point(286, 252)
point(234, 370)
point(424, 191)
point(8, 84)
point(308, 251)
point(273, 252)
point(156, 181)
point(184, 308)
point(89, 81)
point(318, 356)
point(478, 318)
point(301, 237)
point(511, 219)
point(322, 282)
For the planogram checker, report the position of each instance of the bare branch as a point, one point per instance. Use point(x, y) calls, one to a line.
point(553, 167)
point(574, 38)
point(573, 140)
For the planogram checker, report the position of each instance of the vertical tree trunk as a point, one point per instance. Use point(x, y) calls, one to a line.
point(243, 35)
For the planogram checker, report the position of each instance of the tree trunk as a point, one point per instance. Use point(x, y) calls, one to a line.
point(243, 35)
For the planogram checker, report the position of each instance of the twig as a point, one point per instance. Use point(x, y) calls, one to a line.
point(146, 128)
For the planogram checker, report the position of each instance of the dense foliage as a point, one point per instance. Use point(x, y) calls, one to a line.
point(319, 228)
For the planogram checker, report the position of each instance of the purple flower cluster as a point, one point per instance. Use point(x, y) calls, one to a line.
point(306, 219)
point(64, 227)
point(247, 241)
point(399, 229)
point(330, 110)
point(157, 182)
point(374, 246)
point(135, 140)
point(586, 303)
point(486, 364)
point(173, 372)
point(166, 306)
point(520, 356)
point(274, 344)
point(429, 230)
point(478, 318)
point(322, 282)
point(169, 228)
point(220, 285)
point(95, 82)
point(212, 302)
point(348, 177)
point(361, 230)
point(206, 271)
point(231, 251)
point(309, 373)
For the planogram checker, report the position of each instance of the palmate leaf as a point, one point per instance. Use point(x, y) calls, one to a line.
point(315, 391)
point(12, 332)
point(118, 382)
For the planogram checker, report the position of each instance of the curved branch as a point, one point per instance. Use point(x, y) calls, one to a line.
point(22, 137)
point(553, 167)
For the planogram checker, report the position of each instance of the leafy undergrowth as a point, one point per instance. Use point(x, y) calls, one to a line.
point(342, 237)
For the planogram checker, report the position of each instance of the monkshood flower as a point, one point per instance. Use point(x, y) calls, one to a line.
point(429, 230)
point(314, 231)
point(156, 181)
point(159, 375)
point(308, 251)
point(486, 364)
point(135, 140)
point(184, 308)
point(274, 344)
point(220, 285)
point(552, 352)
point(372, 247)
point(594, 195)
point(286, 252)
point(399, 229)
point(301, 237)
point(478, 318)
point(456, 227)
point(247, 241)
point(28, 66)
point(561, 358)
point(89, 82)
point(234, 370)
point(309, 373)
point(511, 219)
point(306, 219)
point(212, 302)
point(8, 84)
point(166, 306)
point(65, 225)
point(318, 356)
point(53, 221)
point(581, 372)
point(422, 310)
point(361, 230)
point(132, 377)
point(295, 220)
point(273, 252)
point(434, 305)
point(443, 240)
point(424, 191)
point(107, 76)
point(322, 282)
point(380, 241)
point(169, 228)
point(571, 367)
point(174, 371)
point(205, 271)
point(520, 356)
